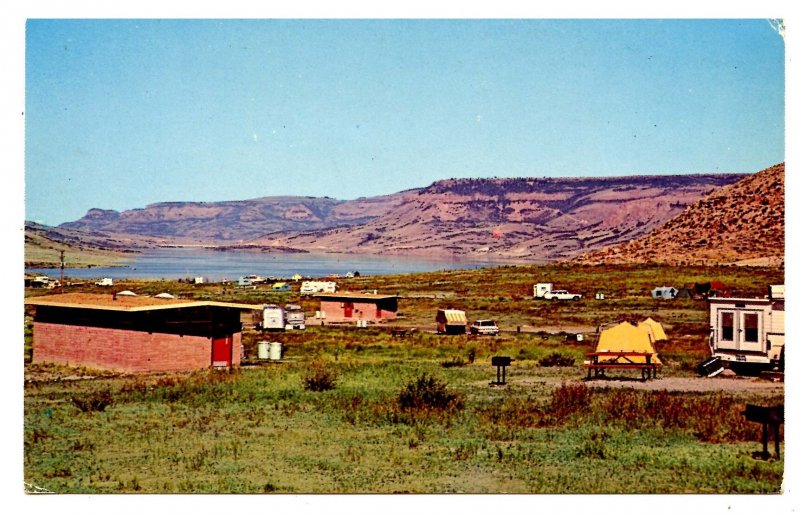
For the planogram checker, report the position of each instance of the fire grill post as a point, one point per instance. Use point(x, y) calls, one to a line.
point(501, 363)
point(768, 417)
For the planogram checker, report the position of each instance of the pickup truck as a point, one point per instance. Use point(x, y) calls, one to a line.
point(562, 295)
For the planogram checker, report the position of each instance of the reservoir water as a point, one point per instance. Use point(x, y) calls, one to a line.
point(174, 263)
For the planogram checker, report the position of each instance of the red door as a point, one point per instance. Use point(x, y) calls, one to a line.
point(348, 309)
point(222, 351)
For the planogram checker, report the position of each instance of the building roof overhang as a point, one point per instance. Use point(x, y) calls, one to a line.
point(127, 303)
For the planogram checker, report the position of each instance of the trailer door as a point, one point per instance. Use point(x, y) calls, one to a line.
point(727, 330)
point(751, 334)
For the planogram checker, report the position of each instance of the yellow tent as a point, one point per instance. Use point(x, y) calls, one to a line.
point(626, 337)
point(654, 328)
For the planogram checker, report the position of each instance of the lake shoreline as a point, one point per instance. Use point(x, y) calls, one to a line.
point(213, 265)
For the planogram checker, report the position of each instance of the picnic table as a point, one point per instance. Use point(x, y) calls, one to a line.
point(600, 361)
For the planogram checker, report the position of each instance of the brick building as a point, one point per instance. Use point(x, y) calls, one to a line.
point(345, 306)
point(136, 333)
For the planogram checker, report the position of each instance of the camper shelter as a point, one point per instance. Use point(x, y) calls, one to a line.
point(136, 333)
point(451, 322)
point(346, 306)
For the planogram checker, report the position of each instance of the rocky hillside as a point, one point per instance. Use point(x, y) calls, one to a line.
point(741, 223)
point(533, 219)
point(233, 221)
point(530, 219)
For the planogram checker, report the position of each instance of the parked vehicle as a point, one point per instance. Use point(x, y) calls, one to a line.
point(562, 295)
point(294, 317)
point(748, 330)
point(255, 280)
point(484, 327)
point(105, 282)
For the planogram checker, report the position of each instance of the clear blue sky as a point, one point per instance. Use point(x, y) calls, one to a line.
point(123, 113)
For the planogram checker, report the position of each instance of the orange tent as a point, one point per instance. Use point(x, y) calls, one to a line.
point(654, 328)
point(626, 337)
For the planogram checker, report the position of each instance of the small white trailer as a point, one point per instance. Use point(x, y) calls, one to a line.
point(314, 287)
point(748, 330)
point(294, 317)
point(540, 289)
point(273, 318)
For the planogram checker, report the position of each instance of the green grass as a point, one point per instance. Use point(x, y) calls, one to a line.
point(260, 429)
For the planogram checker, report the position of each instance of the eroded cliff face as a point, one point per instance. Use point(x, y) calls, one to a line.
point(530, 219)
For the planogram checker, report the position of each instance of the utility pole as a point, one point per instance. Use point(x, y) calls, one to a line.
point(61, 284)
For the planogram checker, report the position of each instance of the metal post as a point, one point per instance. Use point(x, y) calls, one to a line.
point(61, 284)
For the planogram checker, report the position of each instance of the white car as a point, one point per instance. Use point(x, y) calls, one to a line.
point(561, 295)
point(484, 327)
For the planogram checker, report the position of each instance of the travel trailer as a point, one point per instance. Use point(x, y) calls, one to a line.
point(315, 287)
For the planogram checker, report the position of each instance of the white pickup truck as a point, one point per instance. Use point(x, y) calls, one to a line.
point(562, 295)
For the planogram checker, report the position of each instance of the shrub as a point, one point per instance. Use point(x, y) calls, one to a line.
point(454, 362)
point(93, 401)
point(320, 377)
point(427, 393)
point(567, 400)
point(556, 359)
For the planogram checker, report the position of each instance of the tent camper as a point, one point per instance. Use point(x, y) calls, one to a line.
point(623, 338)
point(451, 322)
point(653, 328)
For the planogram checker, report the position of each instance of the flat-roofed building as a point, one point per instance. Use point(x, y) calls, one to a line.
point(136, 333)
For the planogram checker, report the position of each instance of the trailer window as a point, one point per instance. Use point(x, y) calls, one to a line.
point(751, 327)
point(727, 326)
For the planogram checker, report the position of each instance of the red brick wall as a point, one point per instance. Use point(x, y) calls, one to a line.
point(123, 350)
point(366, 311)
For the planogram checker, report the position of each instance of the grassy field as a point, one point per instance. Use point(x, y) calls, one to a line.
point(357, 411)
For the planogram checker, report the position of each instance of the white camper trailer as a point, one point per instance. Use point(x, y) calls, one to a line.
point(748, 330)
point(540, 289)
point(294, 317)
point(273, 318)
point(315, 287)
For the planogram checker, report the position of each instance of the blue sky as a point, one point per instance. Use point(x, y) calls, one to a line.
point(123, 113)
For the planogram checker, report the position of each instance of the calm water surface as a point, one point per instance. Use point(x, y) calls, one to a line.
point(218, 265)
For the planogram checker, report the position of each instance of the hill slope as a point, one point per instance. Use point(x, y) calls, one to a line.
point(740, 223)
point(529, 218)
point(43, 245)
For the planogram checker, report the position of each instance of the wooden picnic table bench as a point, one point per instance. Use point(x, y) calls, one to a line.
point(620, 360)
